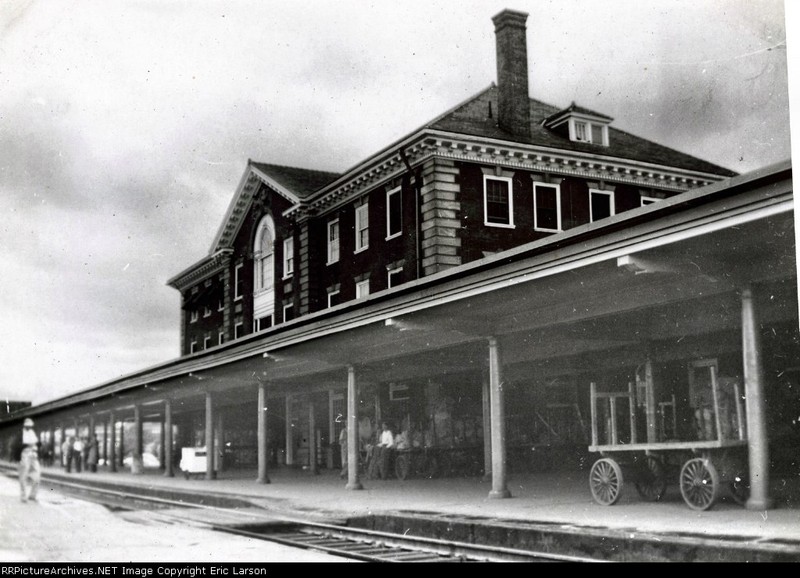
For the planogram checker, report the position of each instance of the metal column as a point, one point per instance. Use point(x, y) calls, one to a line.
point(353, 482)
point(498, 423)
point(111, 460)
point(263, 478)
point(169, 470)
point(312, 438)
point(758, 450)
point(210, 473)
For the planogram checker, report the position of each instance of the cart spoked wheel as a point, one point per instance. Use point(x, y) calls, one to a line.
point(652, 482)
point(699, 483)
point(402, 466)
point(605, 481)
point(739, 489)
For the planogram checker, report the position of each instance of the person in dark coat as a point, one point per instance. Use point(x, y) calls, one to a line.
point(91, 454)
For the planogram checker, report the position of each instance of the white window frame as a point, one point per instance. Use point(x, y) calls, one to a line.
point(206, 342)
point(331, 294)
point(536, 226)
point(609, 194)
point(286, 308)
point(221, 304)
point(588, 131)
point(510, 224)
point(362, 214)
point(206, 311)
point(193, 346)
point(257, 322)
point(237, 273)
point(220, 338)
point(236, 328)
point(389, 273)
point(288, 257)
point(644, 200)
point(333, 244)
point(389, 194)
point(194, 315)
point(360, 289)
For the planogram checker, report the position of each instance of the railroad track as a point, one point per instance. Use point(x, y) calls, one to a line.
point(338, 540)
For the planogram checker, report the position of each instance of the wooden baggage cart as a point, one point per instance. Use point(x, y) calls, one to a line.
point(704, 468)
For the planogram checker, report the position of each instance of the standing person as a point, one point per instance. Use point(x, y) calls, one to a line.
point(77, 454)
point(386, 449)
point(91, 454)
point(343, 451)
point(29, 469)
point(66, 454)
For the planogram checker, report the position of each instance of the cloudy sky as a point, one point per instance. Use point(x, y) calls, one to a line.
point(125, 127)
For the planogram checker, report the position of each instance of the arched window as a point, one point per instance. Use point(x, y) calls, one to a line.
point(263, 254)
point(264, 274)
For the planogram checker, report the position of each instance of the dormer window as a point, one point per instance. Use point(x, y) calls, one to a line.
point(580, 124)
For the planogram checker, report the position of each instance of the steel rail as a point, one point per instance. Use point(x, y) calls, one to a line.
point(347, 542)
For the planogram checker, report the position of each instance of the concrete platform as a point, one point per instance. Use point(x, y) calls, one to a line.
point(57, 528)
point(559, 500)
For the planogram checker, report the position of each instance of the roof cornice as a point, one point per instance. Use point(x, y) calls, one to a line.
point(200, 270)
point(429, 143)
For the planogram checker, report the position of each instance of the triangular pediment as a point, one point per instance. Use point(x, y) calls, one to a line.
point(292, 183)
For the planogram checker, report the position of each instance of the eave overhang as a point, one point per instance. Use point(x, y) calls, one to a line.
point(199, 271)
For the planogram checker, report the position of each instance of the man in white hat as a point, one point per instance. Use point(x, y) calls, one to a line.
point(29, 471)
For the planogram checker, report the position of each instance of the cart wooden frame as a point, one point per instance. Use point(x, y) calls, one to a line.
point(706, 469)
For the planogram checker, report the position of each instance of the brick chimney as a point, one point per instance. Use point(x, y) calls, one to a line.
point(513, 105)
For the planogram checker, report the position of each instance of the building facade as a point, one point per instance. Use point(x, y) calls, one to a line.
point(497, 171)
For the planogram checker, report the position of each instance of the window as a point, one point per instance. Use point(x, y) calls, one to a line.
point(601, 204)
point(398, 391)
point(581, 132)
point(333, 241)
point(648, 200)
point(288, 257)
point(206, 311)
point(193, 347)
point(207, 342)
point(221, 338)
point(362, 227)
point(394, 277)
point(362, 289)
point(194, 316)
point(333, 297)
point(264, 267)
point(220, 304)
point(498, 202)
point(262, 323)
point(263, 255)
point(546, 207)
point(237, 282)
point(394, 213)
point(238, 330)
point(288, 312)
point(591, 132)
